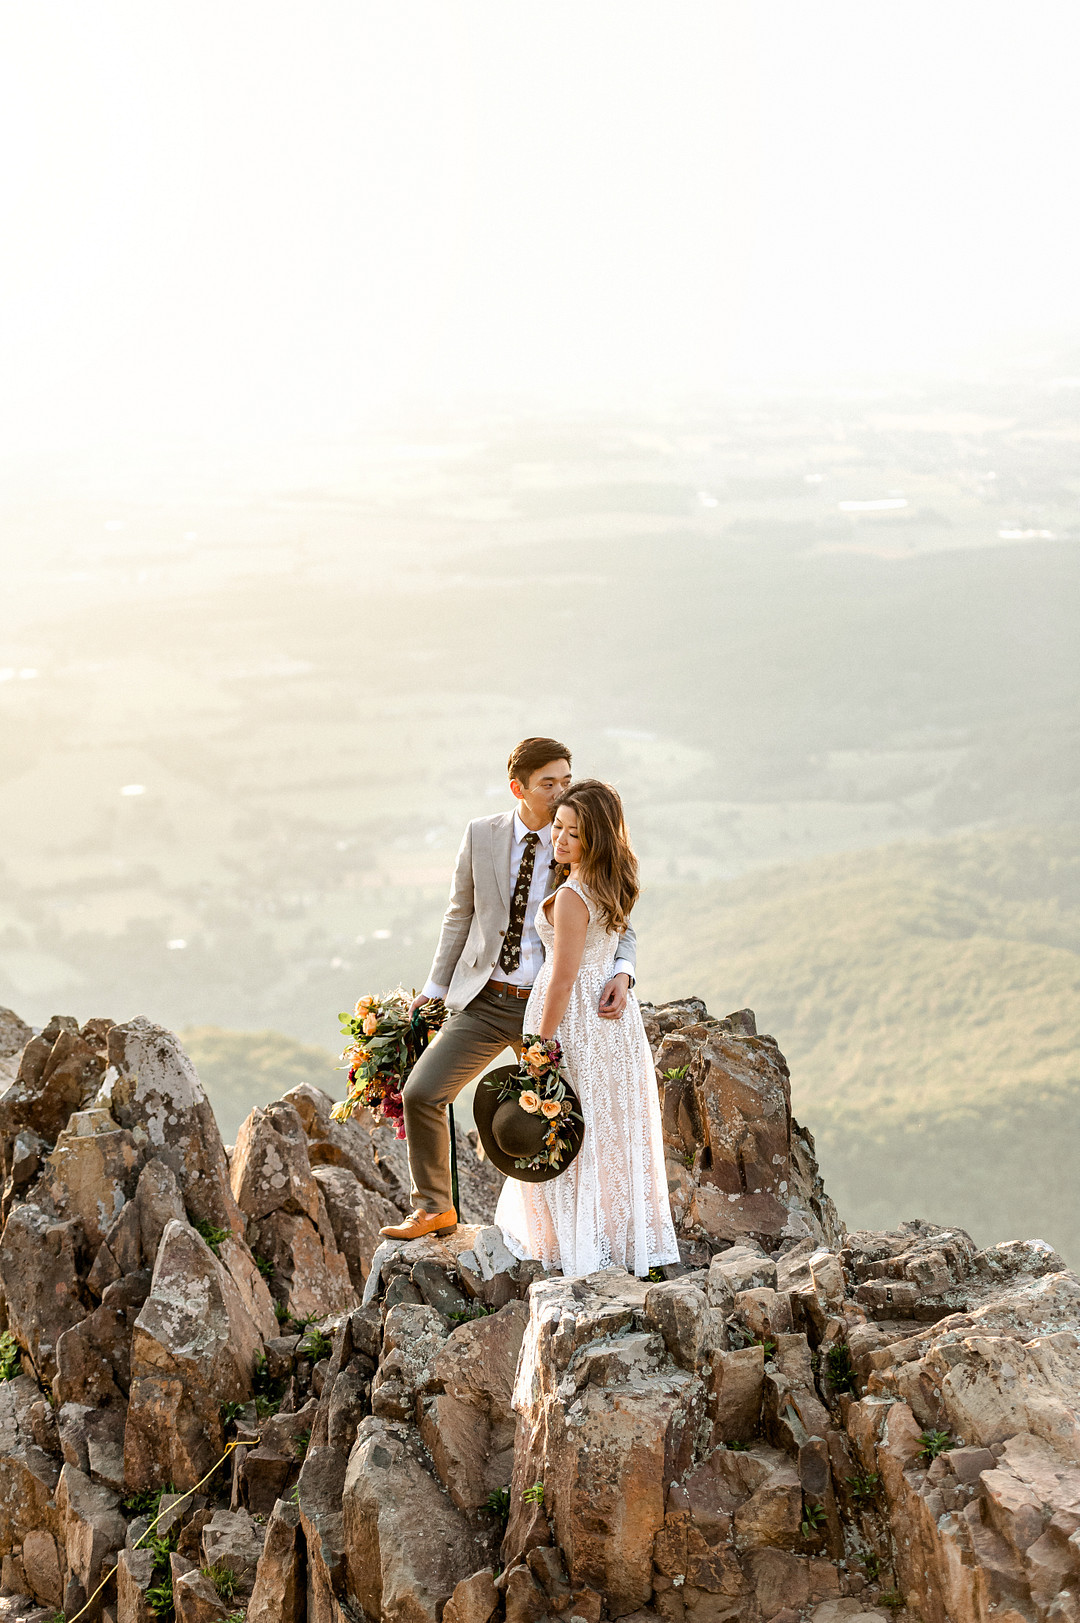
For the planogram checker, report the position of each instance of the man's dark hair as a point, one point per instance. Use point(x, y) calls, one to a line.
point(533, 753)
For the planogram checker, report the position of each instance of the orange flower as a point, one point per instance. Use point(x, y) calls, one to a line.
point(536, 1057)
point(364, 1004)
point(371, 1024)
point(529, 1101)
point(551, 1108)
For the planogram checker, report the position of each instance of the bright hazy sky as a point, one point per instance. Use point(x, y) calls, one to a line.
point(224, 217)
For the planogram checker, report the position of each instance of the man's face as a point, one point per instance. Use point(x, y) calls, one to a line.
point(545, 786)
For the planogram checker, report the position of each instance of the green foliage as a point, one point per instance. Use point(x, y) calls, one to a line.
point(814, 1519)
point(840, 1369)
point(499, 1504)
point(10, 1362)
point(934, 1443)
point(871, 1565)
point(159, 1597)
point(301, 1441)
point(315, 1345)
point(231, 1412)
point(265, 1266)
point(676, 1073)
point(223, 1578)
point(655, 1275)
point(475, 1310)
point(281, 1312)
point(864, 1484)
point(213, 1236)
point(768, 1345)
point(269, 1394)
point(737, 1446)
point(893, 1599)
point(146, 1503)
point(534, 1495)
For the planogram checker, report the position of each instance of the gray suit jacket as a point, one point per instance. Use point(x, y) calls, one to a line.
point(475, 922)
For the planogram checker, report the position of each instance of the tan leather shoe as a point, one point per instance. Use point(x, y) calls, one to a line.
point(417, 1224)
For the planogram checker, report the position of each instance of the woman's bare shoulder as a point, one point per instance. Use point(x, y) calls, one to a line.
point(566, 904)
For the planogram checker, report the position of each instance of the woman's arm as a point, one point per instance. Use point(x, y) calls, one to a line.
point(571, 927)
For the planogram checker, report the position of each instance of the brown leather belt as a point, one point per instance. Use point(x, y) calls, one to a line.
point(504, 989)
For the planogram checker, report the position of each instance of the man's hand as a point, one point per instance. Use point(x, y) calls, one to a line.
point(420, 998)
point(613, 998)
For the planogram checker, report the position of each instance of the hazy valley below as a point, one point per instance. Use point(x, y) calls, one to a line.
point(824, 647)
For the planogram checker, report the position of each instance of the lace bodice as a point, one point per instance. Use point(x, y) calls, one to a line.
point(600, 941)
point(610, 1207)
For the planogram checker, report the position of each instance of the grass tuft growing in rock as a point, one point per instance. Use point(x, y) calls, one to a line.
point(933, 1444)
point(499, 1505)
point(265, 1267)
point(475, 1310)
point(223, 1578)
point(10, 1363)
point(840, 1369)
point(814, 1519)
point(534, 1495)
point(314, 1344)
point(213, 1236)
point(864, 1484)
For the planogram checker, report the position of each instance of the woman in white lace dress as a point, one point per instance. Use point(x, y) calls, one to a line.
point(610, 1207)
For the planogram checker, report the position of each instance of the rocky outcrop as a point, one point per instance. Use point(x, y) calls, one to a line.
point(739, 1165)
point(791, 1423)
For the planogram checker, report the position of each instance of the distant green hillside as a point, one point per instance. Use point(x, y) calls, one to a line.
point(928, 999)
point(241, 1069)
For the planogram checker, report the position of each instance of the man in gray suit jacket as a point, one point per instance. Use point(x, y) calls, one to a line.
point(488, 957)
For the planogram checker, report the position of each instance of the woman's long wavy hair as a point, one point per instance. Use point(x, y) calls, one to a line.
point(609, 867)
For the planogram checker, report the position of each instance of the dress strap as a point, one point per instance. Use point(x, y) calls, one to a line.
point(579, 890)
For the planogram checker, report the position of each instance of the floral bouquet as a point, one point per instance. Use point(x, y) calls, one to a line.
point(384, 1043)
point(539, 1088)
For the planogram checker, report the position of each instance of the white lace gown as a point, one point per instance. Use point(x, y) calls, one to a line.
point(610, 1207)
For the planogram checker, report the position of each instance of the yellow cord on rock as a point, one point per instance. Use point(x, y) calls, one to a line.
point(238, 1442)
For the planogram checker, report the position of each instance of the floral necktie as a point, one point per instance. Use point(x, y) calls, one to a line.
point(510, 957)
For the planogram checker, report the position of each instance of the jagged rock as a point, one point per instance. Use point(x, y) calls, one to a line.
point(347, 1144)
point(231, 1539)
point(39, 1276)
point(59, 1072)
point(158, 1202)
point(691, 1329)
point(474, 1599)
point(319, 1496)
point(252, 1287)
point(739, 1166)
point(92, 1171)
point(41, 1565)
point(468, 1428)
point(600, 1432)
point(356, 1216)
point(278, 1595)
point(14, 1033)
point(134, 1575)
point(151, 1087)
point(92, 1440)
point(270, 1169)
point(195, 1598)
point(93, 1358)
point(93, 1528)
point(288, 1221)
point(28, 1474)
point(388, 1494)
point(194, 1347)
point(310, 1275)
point(412, 1335)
